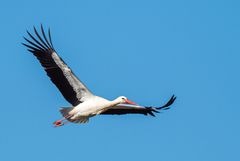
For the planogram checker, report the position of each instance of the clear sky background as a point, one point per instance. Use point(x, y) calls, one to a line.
point(145, 50)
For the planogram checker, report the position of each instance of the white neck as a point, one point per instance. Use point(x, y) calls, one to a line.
point(112, 103)
point(115, 102)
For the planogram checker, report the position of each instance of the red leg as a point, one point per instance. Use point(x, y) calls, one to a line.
point(60, 122)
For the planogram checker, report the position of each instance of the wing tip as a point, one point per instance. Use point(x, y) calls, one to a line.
point(39, 42)
point(151, 110)
point(169, 103)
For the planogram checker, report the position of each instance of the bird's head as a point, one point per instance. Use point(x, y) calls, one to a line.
point(124, 100)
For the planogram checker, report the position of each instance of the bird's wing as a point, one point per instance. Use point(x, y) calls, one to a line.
point(122, 109)
point(73, 90)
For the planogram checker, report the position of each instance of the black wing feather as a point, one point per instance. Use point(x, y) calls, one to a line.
point(50, 38)
point(127, 111)
point(45, 38)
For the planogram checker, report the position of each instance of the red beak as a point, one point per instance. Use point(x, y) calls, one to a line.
point(130, 102)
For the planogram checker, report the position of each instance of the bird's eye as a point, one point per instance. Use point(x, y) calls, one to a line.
point(123, 98)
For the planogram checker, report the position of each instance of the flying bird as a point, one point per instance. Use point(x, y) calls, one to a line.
point(84, 103)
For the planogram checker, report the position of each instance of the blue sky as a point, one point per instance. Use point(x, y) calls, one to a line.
point(145, 50)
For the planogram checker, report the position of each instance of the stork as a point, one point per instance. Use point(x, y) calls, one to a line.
point(84, 103)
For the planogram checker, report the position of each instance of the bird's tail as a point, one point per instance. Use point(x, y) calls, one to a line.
point(65, 111)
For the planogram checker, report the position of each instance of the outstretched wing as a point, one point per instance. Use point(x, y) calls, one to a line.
point(73, 90)
point(122, 109)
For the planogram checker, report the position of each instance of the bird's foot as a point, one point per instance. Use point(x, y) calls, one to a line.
point(62, 122)
point(59, 123)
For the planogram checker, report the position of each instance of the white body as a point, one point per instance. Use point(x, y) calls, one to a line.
point(91, 107)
